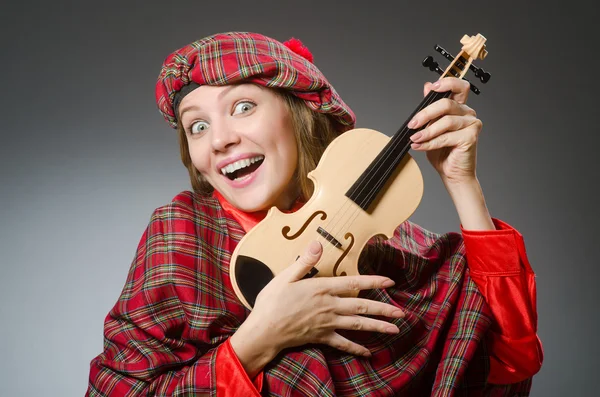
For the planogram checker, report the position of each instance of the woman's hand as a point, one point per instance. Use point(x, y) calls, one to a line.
point(291, 312)
point(450, 141)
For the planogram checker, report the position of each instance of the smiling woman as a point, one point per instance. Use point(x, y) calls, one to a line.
point(437, 314)
point(297, 129)
point(230, 124)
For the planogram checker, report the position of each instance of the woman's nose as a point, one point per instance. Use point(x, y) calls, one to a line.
point(224, 135)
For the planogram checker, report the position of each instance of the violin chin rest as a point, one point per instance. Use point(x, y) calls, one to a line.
point(252, 276)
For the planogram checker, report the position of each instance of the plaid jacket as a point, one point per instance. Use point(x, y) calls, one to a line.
point(178, 307)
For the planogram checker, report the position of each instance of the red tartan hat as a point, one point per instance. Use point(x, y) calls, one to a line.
point(234, 57)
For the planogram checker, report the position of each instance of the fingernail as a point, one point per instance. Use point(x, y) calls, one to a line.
point(416, 136)
point(415, 145)
point(367, 354)
point(387, 283)
point(392, 330)
point(413, 123)
point(397, 313)
point(436, 84)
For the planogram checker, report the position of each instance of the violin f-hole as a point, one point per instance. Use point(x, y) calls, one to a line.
point(341, 258)
point(286, 229)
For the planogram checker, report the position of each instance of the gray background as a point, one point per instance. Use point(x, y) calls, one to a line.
point(85, 156)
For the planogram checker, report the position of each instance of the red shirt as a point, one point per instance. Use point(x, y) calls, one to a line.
point(499, 266)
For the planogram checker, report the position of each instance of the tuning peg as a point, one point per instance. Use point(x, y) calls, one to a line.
point(445, 53)
point(482, 75)
point(479, 72)
point(429, 62)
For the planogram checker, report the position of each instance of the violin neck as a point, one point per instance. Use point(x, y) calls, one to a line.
point(367, 187)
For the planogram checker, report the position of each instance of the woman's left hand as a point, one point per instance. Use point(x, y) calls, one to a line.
point(450, 141)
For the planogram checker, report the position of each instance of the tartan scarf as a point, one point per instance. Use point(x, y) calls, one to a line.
point(178, 306)
point(440, 350)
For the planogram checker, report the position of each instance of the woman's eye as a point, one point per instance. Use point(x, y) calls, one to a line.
point(243, 107)
point(198, 126)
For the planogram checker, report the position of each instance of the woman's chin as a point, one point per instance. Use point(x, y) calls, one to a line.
point(251, 204)
point(254, 200)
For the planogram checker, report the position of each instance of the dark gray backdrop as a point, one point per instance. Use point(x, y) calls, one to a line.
point(85, 156)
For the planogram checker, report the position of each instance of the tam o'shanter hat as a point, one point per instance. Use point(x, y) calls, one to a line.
point(236, 57)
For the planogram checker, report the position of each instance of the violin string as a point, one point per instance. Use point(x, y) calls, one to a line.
point(333, 223)
point(391, 169)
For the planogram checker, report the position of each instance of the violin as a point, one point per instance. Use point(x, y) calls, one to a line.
point(365, 184)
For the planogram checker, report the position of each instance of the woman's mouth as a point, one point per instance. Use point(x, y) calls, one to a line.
point(242, 170)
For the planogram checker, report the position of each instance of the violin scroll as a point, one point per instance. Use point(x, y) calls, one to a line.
point(473, 48)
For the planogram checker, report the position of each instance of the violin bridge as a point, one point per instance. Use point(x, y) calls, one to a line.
point(329, 237)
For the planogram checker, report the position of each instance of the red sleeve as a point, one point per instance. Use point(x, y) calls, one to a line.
point(232, 379)
point(499, 266)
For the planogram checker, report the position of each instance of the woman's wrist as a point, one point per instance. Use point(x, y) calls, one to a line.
point(470, 204)
point(253, 346)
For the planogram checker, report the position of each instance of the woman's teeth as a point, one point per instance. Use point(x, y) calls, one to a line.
point(238, 165)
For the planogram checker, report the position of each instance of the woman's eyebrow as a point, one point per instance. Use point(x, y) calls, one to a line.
point(185, 109)
point(226, 91)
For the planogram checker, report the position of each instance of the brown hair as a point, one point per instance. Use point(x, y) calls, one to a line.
point(313, 131)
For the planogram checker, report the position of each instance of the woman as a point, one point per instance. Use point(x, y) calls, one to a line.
point(254, 116)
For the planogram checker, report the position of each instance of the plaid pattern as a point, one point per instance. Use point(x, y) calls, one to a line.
point(178, 306)
point(228, 58)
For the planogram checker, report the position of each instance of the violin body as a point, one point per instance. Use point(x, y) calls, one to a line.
point(341, 226)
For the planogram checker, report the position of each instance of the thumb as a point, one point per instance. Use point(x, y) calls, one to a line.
point(305, 262)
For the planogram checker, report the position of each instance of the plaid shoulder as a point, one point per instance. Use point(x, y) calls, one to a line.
point(192, 227)
point(190, 216)
point(159, 337)
point(188, 205)
point(191, 261)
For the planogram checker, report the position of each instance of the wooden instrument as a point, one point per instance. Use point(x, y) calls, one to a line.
point(366, 184)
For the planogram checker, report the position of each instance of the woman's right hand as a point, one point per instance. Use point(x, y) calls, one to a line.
point(291, 311)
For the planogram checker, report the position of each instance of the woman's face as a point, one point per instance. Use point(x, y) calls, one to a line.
point(241, 139)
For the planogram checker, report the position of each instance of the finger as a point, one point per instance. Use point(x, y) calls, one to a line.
point(337, 341)
point(347, 284)
point(443, 125)
point(426, 88)
point(443, 107)
point(304, 263)
point(359, 323)
point(465, 137)
point(460, 88)
point(352, 306)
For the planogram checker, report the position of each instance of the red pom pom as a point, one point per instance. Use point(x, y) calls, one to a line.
point(296, 46)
